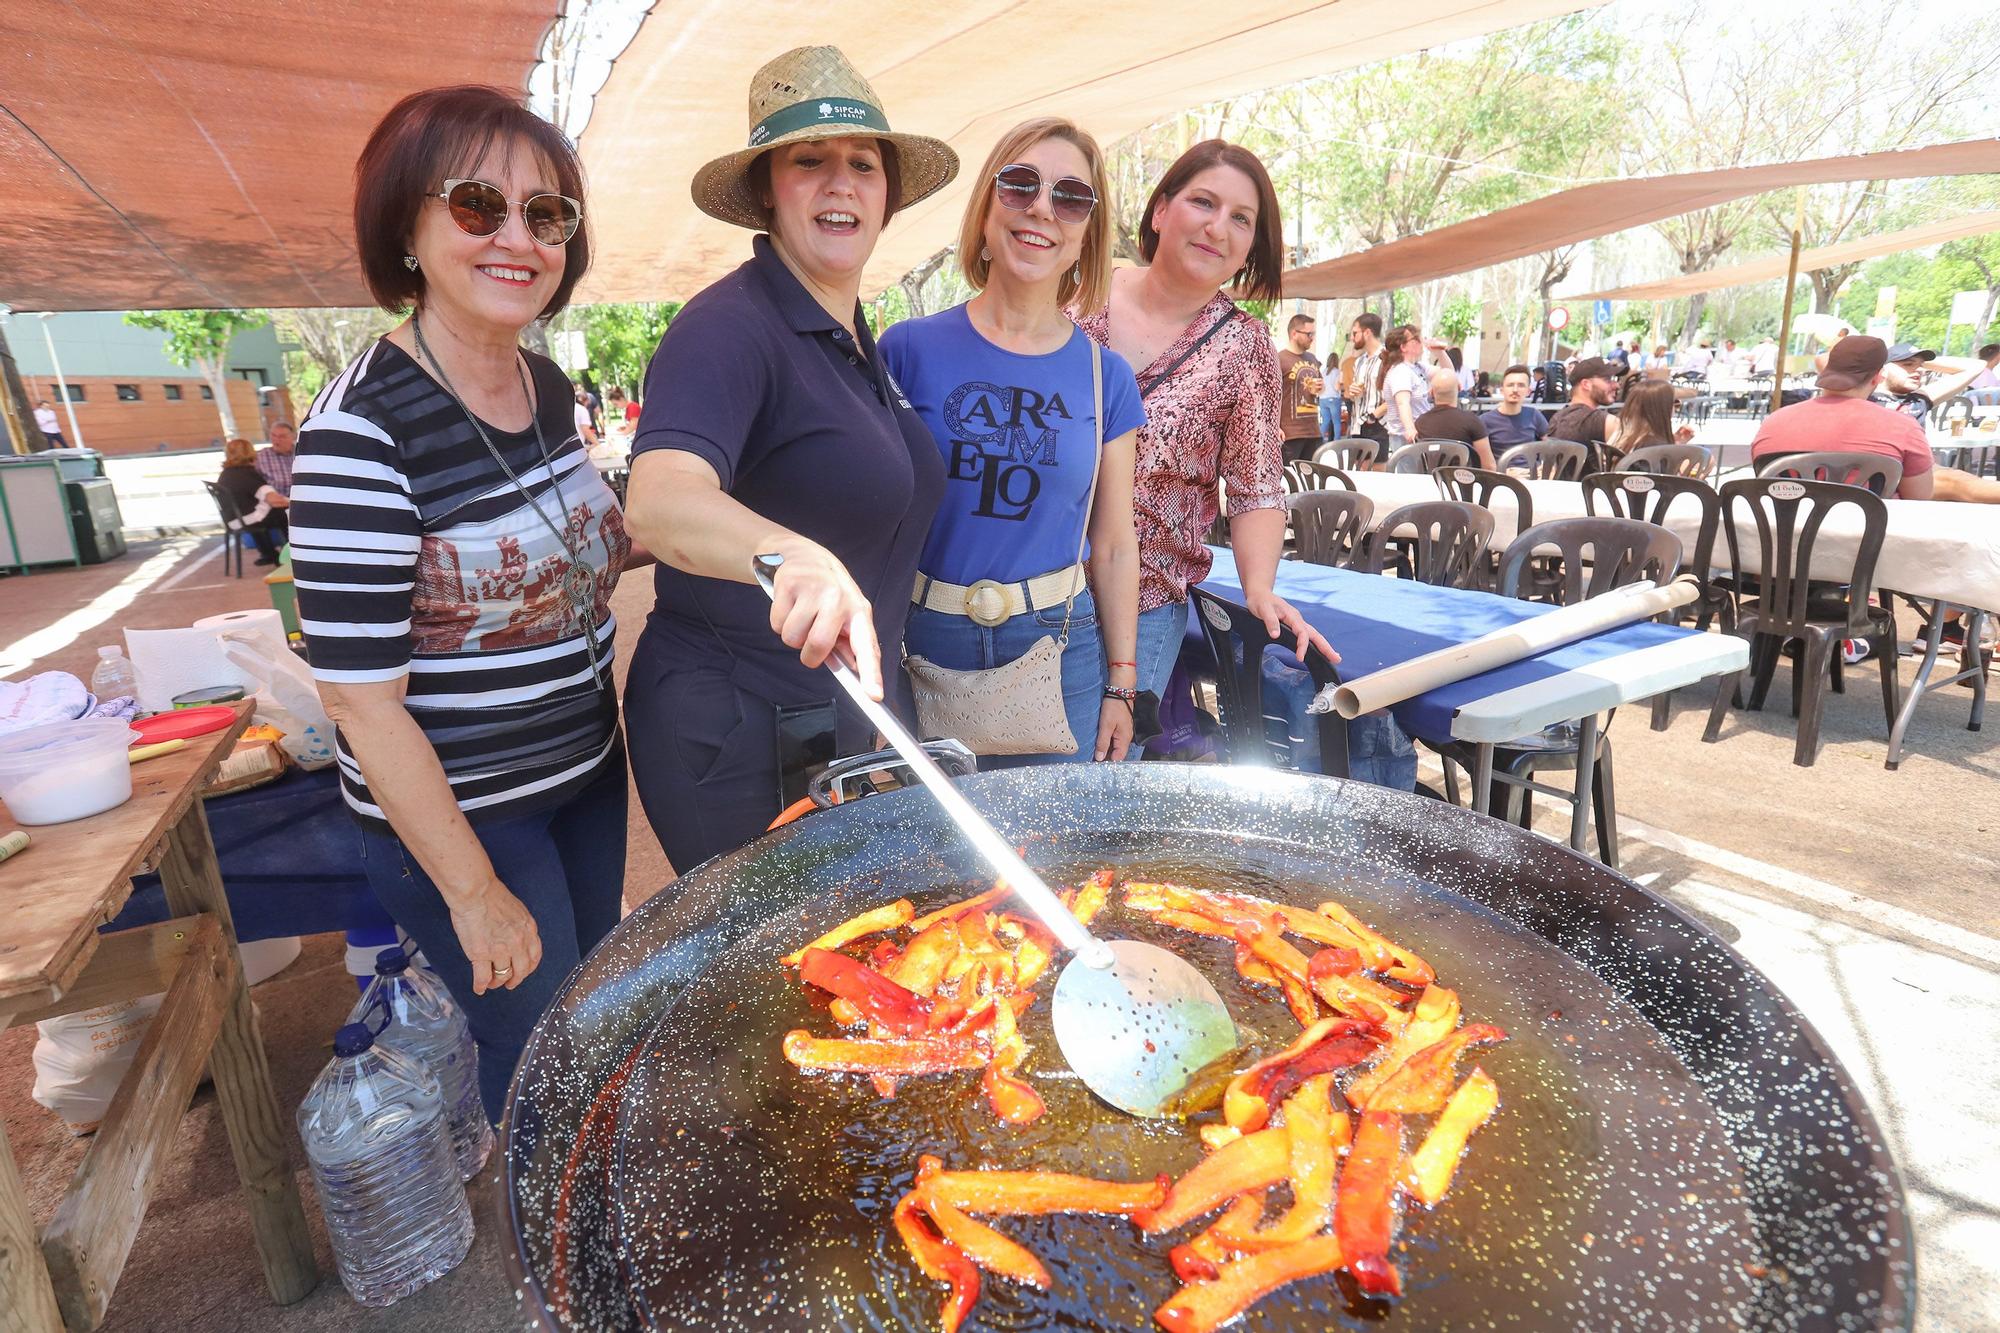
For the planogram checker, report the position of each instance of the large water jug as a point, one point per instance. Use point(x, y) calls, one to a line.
point(376, 1138)
point(408, 1008)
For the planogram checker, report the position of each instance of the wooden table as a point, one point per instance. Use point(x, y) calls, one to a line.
point(72, 880)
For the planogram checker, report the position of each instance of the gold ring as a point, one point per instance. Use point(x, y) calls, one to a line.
point(500, 971)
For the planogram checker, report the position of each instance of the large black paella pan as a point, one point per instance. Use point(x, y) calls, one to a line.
point(1676, 1147)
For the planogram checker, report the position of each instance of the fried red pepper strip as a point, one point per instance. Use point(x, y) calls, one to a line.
point(1432, 1165)
point(1241, 1239)
point(1329, 1044)
point(922, 1055)
point(1014, 1100)
point(1380, 953)
point(889, 916)
point(1423, 1084)
point(1202, 1306)
point(996, 1253)
point(1250, 1163)
point(1364, 1214)
point(1035, 1193)
point(893, 1008)
point(1431, 1021)
point(1243, 909)
point(1295, 973)
point(940, 1260)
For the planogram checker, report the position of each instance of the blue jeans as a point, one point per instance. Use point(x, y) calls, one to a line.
point(1329, 418)
point(956, 642)
point(1378, 750)
point(1161, 632)
point(566, 865)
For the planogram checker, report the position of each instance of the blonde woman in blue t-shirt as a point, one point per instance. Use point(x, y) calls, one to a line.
point(1005, 384)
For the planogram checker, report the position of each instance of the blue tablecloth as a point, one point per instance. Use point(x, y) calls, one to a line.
point(1373, 621)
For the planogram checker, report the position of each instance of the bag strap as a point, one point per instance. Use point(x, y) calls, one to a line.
point(1096, 467)
point(1193, 347)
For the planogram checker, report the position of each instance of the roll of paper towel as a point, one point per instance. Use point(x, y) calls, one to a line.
point(174, 661)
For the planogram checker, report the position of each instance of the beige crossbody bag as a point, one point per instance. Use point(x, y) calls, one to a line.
point(1016, 708)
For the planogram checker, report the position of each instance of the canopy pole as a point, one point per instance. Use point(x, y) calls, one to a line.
point(1791, 282)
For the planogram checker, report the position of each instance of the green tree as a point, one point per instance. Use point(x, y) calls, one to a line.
point(200, 339)
point(619, 339)
point(1455, 321)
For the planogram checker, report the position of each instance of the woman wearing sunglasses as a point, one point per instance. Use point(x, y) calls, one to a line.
point(772, 428)
point(1211, 390)
point(1034, 543)
point(455, 553)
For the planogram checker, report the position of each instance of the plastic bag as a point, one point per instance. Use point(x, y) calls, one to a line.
point(285, 696)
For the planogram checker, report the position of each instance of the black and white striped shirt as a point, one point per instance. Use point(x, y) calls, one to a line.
point(415, 556)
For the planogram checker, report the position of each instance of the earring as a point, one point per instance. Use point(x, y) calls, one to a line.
point(985, 255)
point(410, 263)
point(1076, 274)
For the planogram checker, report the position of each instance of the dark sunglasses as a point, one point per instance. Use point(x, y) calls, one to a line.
point(1019, 186)
point(480, 209)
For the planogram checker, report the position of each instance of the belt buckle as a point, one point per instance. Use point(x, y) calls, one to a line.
point(986, 603)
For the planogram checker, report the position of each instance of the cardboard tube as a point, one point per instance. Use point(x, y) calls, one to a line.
point(1537, 634)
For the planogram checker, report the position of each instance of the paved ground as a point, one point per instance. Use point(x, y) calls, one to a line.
point(1872, 899)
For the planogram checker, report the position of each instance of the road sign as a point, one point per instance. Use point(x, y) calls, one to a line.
point(1559, 318)
point(1600, 312)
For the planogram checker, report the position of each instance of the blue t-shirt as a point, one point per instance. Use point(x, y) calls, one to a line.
point(1017, 438)
point(1524, 427)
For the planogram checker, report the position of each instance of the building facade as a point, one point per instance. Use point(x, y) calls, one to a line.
point(129, 398)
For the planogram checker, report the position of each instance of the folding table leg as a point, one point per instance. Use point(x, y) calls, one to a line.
point(1933, 641)
point(27, 1298)
point(1586, 773)
point(257, 1134)
point(1482, 780)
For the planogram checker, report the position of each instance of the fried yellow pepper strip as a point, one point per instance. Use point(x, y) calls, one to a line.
point(1309, 1117)
point(939, 1260)
point(1432, 1165)
point(1089, 897)
point(1250, 1163)
point(1379, 953)
point(1201, 1307)
point(1035, 1193)
point(889, 916)
point(921, 1055)
point(1364, 1214)
point(1433, 1019)
point(1423, 1084)
point(977, 902)
point(921, 967)
point(1291, 965)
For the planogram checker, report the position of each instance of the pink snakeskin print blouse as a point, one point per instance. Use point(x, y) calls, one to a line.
point(1215, 417)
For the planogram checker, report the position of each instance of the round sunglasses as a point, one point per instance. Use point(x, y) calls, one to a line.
point(480, 209)
point(1019, 185)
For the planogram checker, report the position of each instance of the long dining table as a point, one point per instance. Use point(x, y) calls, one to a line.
point(1940, 554)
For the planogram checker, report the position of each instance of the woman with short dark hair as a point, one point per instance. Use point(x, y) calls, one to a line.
point(455, 552)
point(1211, 392)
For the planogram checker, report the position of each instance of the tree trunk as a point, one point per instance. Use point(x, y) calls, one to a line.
point(1985, 319)
point(1691, 322)
point(218, 384)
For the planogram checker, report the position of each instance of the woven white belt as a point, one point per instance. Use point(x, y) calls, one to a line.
point(989, 603)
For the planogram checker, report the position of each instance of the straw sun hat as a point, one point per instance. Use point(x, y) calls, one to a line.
point(809, 93)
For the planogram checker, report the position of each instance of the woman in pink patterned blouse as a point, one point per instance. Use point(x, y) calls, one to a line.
point(1209, 375)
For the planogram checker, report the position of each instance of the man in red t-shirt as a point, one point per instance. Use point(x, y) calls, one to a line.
point(1842, 420)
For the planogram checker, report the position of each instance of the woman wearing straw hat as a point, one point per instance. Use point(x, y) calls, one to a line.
point(772, 426)
point(1036, 424)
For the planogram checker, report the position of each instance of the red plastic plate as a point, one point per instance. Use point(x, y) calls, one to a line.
point(183, 722)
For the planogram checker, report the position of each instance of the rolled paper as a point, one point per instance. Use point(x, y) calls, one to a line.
point(1501, 647)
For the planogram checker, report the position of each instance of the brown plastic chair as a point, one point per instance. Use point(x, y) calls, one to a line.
point(1669, 460)
point(1649, 499)
point(1875, 472)
point(1429, 456)
point(1447, 551)
point(1353, 451)
point(1328, 526)
point(1594, 556)
point(1787, 516)
point(1319, 477)
point(1546, 460)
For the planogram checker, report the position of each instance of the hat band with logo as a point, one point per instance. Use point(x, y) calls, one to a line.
point(812, 115)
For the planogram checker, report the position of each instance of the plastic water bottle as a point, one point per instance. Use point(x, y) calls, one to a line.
point(376, 1138)
point(408, 1008)
point(114, 677)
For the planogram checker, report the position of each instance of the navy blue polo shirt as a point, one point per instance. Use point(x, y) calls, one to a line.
point(804, 427)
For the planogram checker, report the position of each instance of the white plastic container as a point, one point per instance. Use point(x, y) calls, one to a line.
point(61, 771)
